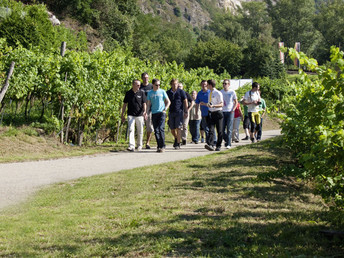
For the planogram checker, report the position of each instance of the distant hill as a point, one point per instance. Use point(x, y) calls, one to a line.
point(195, 12)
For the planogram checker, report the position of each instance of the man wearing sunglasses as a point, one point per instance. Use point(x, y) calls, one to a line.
point(159, 102)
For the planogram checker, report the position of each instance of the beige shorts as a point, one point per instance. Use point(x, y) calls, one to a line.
point(149, 123)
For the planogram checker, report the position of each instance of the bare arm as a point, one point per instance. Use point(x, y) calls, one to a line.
point(167, 103)
point(192, 104)
point(235, 104)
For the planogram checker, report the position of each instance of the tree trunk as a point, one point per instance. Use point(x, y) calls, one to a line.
point(43, 109)
point(68, 123)
point(2, 110)
point(28, 98)
point(81, 126)
point(7, 82)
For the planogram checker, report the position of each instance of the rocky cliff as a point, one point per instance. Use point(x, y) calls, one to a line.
point(195, 12)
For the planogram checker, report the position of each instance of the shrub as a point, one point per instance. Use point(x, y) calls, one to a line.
point(314, 125)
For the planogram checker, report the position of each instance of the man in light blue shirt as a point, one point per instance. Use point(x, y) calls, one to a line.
point(159, 102)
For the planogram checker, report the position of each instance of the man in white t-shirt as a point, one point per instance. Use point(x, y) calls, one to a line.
point(252, 100)
point(230, 102)
point(215, 117)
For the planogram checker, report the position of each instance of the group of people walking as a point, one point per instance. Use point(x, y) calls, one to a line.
point(212, 115)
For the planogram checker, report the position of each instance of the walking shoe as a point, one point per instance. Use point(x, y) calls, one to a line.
point(177, 146)
point(228, 147)
point(175, 142)
point(245, 139)
point(147, 147)
point(218, 149)
point(139, 148)
point(183, 142)
point(160, 150)
point(202, 140)
point(253, 140)
point(236, 141)
point(209, 148)
point(130, 149)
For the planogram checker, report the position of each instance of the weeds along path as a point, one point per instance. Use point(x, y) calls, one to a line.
point(19, 180)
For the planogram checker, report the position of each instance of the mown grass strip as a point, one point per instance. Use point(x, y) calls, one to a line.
point(209, 206)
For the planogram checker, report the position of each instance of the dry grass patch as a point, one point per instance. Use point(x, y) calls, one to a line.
point(26, 143)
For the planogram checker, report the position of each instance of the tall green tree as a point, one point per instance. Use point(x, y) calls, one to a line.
point(229, 27)
point(217, 54)
point(330, 22)
point(254, 17)
point(292, 21)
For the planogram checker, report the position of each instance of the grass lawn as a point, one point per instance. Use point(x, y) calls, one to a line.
point(213, 206)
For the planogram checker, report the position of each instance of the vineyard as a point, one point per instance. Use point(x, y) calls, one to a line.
point(79, 92)
point(314, 125)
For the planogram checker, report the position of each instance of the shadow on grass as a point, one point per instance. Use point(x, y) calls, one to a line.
point(264, 225)
point(215, 238)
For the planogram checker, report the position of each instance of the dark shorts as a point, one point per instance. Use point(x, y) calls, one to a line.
point(175, 120)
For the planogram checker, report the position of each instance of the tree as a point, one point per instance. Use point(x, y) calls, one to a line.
point(227, 26)
point(254, 17)
point(261, 60)
point(217, 54)
point(330, 22)
point(292, 21)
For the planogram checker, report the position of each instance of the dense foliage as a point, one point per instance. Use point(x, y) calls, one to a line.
point(29, 26)
point(316, 24)
point(81, 88)
point(314, 125)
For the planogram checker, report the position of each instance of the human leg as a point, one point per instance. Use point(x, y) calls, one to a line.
point(218, 121)
point(230, 128)
point(246, 125)
point(159, 128)
point(236, 125)
point(225, 127)
point(149, 128)
point(211, 127)
point(184, 130)
point(205, 127)
point(260, 129)
point(252, 125)
point(139, 121)
point(131, 129)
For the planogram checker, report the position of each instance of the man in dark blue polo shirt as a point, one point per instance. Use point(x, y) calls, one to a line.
point(179, 103)
point(135, 100)
point(202, 101)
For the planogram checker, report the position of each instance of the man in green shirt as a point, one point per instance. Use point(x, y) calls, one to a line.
point(262, 111)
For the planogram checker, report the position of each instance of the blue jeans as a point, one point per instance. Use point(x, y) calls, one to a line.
point(159, 128)
point(205, 127)
point(228, 118)
point(194, 129)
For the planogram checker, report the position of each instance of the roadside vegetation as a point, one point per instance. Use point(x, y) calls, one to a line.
point(217, 205)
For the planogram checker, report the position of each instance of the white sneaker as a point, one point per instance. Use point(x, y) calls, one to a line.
point(228, 147)
point(139, 148)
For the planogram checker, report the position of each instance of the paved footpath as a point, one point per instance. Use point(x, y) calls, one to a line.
point(19, 180)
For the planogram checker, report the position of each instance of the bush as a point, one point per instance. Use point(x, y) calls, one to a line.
point(314, 125)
